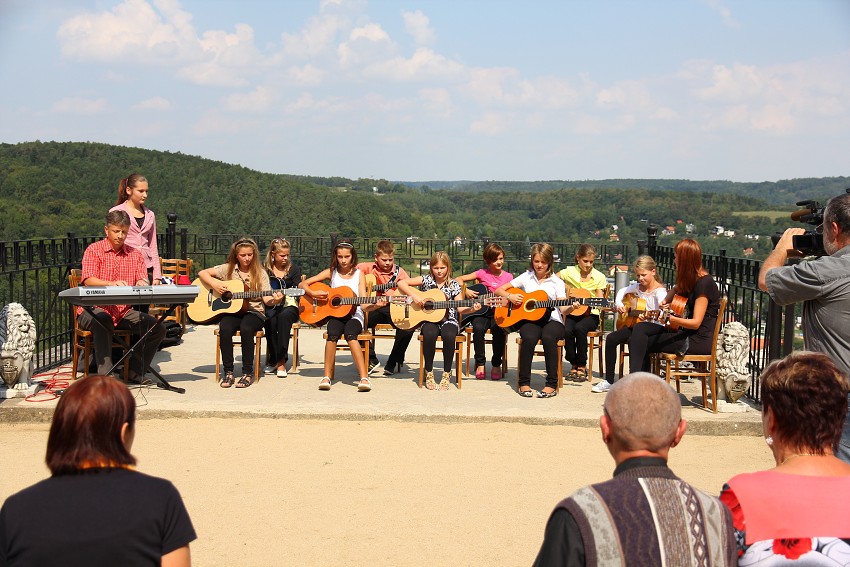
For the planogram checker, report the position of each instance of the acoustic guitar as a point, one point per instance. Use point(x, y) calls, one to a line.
point(210, 305)
point(485, 297)
point(581, 293)
point(374, 287)
point(408, 316)
point(536, 304)
point(635, 309)
point(676, 308)
point(340, 302)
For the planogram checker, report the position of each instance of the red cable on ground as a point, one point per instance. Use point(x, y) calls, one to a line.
point(52, 385)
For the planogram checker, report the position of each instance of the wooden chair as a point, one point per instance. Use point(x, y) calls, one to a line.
point(597, 335)
point(707, 362)
point(458, 346)
point(237, 342)
point(538, 351)
point(174, 268)
point(83, 338)
point(488, 340)
point(296, 327)
point(364, 339)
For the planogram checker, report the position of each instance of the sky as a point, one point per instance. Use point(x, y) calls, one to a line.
point(426, 90)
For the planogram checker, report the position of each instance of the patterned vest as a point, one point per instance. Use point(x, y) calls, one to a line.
point(648, 516)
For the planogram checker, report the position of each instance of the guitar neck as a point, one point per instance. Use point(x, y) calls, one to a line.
point(357, 300)
point(591, 301)
point(290, 291)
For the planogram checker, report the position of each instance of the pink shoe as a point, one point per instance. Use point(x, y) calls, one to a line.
point(495, 373)
point(479, 373)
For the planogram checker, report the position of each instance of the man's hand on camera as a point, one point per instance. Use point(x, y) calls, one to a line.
point(786, 243)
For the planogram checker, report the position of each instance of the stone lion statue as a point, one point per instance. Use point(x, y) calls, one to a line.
point(733, 376)
point(17, 344)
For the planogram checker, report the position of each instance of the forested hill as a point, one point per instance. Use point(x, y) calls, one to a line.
point(783, 192)
point(49, 189)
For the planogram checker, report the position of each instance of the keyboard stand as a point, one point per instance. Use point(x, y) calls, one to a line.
point(162, 382)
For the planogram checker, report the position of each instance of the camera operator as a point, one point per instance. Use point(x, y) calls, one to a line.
point(823, 285)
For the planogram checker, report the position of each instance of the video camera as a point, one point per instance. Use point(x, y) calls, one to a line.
point(810, 243)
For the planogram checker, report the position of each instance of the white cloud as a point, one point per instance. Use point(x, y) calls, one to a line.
point(418, 26)
point(82, 106)
point(365, 44)
point(154, 103)
point(258, 100)
point(307, 75)
point(424, 64)
point(162, 35)
point(490, 124)
point(725, 13)
point(438, 101)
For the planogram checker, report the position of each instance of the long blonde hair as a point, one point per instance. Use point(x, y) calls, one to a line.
point(276, 246)
point(254, 270)
point(647, 263)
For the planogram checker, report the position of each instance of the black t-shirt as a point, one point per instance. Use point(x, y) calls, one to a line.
point(99, 517)
point(701, 339)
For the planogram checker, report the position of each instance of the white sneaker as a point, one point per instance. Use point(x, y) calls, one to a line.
point(281, 373)
point(601, 387)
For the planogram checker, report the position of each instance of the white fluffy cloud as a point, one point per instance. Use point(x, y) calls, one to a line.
point(418, 26)
point(82, 106)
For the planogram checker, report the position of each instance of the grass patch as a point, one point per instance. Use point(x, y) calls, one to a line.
point(772, 215)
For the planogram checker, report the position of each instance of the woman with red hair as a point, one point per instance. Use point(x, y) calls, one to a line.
point(695, 328)
point(95, 509)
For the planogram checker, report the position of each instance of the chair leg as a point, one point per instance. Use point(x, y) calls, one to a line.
point(217, 356)
point(591, 346)
point(421, 362)
point(560, 365)
point(468, 347)
point(459, 363)
point(258, 350)
point(294, 367)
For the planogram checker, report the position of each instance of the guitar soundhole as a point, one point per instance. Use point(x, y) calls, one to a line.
point(531, 305)
point(227, 296)
point(336, 301)
point(428, 305)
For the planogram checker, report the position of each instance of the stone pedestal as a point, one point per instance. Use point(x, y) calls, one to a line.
point(8, 393)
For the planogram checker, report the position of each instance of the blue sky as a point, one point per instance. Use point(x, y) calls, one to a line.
point(746, 90)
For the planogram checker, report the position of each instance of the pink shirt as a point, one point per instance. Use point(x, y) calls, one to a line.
point(143, 238)
point(493, 282)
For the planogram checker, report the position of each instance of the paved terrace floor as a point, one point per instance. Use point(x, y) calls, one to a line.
point(191, 365)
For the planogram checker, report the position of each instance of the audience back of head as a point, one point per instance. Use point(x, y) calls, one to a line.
point(86, 430)
point(645, 412)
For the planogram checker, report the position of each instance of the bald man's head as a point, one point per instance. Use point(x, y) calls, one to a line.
point(644, 412)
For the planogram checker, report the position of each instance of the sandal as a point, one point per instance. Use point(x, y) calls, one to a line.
point(325, 384)
point(526, 393)
point(364, 385)
point(444, 383)
point(496, 373)
point(480, 373)
point(245, 381)
point(227, 380)
point(429, 381)
point(542, 394)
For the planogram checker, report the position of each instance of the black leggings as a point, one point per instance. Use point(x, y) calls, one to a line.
point(575, 337)
point(480, 325)
point(278, 331)
point(430, 331)
point(550, 332)
point(247, 324)
point(348, 327)
point(648, 338)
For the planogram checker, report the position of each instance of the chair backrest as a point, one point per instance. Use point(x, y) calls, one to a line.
point(173, 267)
point(718, 324)
point(74, 277)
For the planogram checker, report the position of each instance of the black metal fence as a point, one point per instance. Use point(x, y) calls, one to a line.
point(33, 272)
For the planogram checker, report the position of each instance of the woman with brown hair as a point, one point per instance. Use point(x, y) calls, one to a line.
point(694, 332)
point(796, 513)
point(132, 195)
point(95, 509)
point(243, 263)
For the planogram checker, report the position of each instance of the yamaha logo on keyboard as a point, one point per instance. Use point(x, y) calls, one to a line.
point(95, 292)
